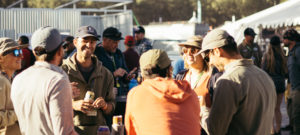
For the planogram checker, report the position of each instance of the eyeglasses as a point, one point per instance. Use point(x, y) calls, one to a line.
point(16, 52)
point(193, 50)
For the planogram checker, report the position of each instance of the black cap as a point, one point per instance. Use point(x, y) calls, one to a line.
point(86, 31)
point(249, 31)
point(291, 34)
point(112, 33)
point(139, 29)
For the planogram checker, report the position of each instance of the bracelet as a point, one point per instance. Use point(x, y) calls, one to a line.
point(105, 107)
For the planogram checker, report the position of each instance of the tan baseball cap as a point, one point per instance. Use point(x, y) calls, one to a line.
point(195, 41)
point(214, 39)
point(153, 58)
point(7, 44)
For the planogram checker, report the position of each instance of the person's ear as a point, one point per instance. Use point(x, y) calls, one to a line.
point(61, 51)
point(218, 52)
point(75, 41)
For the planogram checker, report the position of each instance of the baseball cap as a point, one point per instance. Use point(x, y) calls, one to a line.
point(139, 29)
point(195, 41)
point(214, 39)
point(154, 58)
point(112, 33)
point(129, 41)
point(291, 34)
point(86, 31)
point(46, 37)
point(7, 44)
point(249, 31)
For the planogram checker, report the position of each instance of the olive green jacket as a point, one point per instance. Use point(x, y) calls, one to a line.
point(251, 51)
point(244, 101)
point(100, 82)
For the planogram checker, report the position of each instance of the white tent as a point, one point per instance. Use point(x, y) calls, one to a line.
point(282, 15)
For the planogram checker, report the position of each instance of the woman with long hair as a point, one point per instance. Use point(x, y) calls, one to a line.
point(274, 63)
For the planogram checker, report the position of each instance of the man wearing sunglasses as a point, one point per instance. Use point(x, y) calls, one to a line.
point(41, 94)
point(10, 61)
point(244, 96)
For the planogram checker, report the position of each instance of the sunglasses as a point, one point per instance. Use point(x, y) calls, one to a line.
point(193, 50)
point(16, 52)
point(205, 55)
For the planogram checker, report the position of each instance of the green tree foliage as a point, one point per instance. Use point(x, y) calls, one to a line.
point(214, 12)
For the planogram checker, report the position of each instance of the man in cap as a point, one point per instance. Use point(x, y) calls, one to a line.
point(41, 94)
point(142, 44)
point(244, 96)
point(10, 61)
point(113, 59)
point(69, 47)
point(291, 40)
point(250, 50)
point(91, 76)
point(161, 105)
point(28, 57)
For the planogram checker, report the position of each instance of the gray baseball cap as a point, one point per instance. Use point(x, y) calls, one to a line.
point(46, 37)
point(214, 39)
point(86, 31)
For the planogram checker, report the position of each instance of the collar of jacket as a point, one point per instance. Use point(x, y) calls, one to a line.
point(44, 64)
point(239, 62)
point(74, 70)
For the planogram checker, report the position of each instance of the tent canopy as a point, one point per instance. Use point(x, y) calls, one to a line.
point(281, 15)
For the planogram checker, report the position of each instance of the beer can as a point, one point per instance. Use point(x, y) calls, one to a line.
point(89, 95)
point(117, 119)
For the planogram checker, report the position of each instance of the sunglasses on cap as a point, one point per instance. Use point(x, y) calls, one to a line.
point(16, 52)
point(193, 50)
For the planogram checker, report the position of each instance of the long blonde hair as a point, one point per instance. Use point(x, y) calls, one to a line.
point(269, 57)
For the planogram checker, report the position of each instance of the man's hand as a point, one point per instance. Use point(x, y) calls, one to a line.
point(75, 90)
point(100, 103)
point(120, 72)
point(82, 105)
point(131, 74)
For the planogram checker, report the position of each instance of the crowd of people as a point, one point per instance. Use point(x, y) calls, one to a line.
point(76, 84)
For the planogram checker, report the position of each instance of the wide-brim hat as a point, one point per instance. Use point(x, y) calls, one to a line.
point(7, 44)
point(194, 41)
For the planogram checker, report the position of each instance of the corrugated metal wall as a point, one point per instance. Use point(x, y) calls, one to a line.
point(122, 21)
point(15, 22)
point(28, 20)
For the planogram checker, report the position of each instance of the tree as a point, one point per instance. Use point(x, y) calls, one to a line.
point(214, 12)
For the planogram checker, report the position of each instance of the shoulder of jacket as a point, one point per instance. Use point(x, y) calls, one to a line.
point(4, 80)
